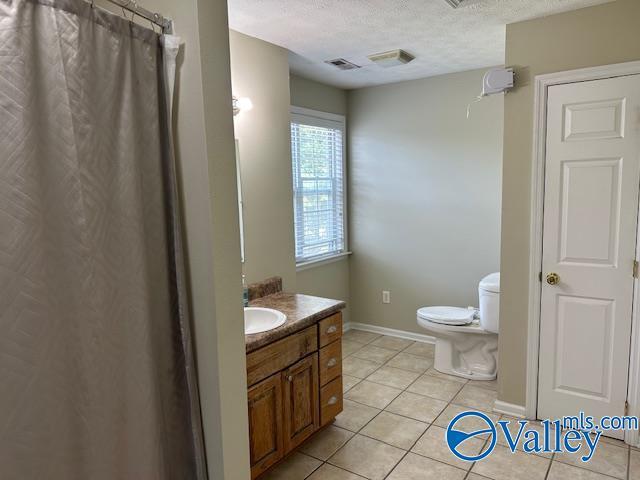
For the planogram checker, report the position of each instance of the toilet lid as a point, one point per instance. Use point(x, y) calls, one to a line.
point(447, 315)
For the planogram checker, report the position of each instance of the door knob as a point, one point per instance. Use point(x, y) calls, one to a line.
point(553, 279)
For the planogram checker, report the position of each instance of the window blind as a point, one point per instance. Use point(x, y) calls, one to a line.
point(318, 187)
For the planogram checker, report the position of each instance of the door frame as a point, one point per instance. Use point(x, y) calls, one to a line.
point(542, 84)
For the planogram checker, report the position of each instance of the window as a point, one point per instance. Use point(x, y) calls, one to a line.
point(317, 151)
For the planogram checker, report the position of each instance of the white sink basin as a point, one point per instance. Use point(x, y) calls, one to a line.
point(257, 319)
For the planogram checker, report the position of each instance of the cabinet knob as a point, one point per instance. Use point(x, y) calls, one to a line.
point(333, 400)
point(290, 378)
point(332, 362)
point(332, 329)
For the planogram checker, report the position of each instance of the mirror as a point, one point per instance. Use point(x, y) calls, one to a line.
point(240, 206)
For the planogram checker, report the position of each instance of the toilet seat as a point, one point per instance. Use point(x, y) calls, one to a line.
point(473, 327)
point(447, 315)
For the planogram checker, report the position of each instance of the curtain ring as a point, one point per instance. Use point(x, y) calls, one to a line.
point(156, 21)
point(127, 6)
point(124, 14)
point(134, 9)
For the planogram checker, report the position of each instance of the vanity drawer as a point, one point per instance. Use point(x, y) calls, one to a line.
point(330, 329)
point(330, 362)
point(330, 401)
point(279, 355)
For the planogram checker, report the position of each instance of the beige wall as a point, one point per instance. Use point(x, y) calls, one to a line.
point(203, 129)
point(317, 96)
point(425, 196)
point(592, 36)
point(329, 280)
point(332, 279)
point(260, 71)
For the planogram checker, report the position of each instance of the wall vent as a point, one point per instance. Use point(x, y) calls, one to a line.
point(455, 3)
point(342, 64)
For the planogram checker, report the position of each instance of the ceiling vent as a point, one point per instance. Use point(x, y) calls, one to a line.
point(455, 3)
point(392, 58)
point(342, 64)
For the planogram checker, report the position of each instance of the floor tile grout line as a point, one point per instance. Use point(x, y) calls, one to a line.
point(484, 444)
point(373, 418)
point(587, 469)
point(554, 460)
point(448, 403)
point(407, 452)
point(345, 469)
point(402, 390)
point(385, 363)
point(551, 459)
point(315, 469)
point(463, 384)
point(413, 342)
point(546, 475)
point(431, 424)
point(369, 359)
point(436, 459)
point(423, 372)
point(376, 383)
point(409, 391)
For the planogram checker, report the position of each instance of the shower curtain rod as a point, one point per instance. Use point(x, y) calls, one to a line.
point(132, 6)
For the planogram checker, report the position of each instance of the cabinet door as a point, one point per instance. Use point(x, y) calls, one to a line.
point(265, 424)
point(301, 401)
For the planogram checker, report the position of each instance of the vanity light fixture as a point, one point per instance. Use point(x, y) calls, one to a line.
point(241, 104)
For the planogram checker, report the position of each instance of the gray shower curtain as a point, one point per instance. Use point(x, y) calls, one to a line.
point(97, 379)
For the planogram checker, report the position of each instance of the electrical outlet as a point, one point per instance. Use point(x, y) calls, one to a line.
point(386, 296)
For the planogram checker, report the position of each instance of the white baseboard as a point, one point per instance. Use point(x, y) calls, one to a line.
point(391, 332)
point(517, 411)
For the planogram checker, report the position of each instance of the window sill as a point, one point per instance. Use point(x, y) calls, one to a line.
point(321, 261)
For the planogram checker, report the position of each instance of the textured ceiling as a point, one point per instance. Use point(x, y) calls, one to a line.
point(443, 39)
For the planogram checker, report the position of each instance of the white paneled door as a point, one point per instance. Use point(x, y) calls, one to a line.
point(592, 178)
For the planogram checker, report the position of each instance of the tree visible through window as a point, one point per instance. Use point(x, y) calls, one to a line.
point(318, 187)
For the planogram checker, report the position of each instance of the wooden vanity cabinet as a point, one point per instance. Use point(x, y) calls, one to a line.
point(301, 401)
point(266, 438)
point(295, 388)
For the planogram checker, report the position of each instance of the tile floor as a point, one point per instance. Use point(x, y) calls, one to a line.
point(396, 409)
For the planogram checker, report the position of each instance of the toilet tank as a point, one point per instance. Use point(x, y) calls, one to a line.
point(489, 294)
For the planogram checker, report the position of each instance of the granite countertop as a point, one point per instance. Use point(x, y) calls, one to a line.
point(301, 311)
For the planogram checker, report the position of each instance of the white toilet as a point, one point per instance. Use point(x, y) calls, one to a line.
point(467, 346)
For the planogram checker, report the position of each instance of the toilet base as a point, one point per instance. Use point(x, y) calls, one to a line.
point(472, 356)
